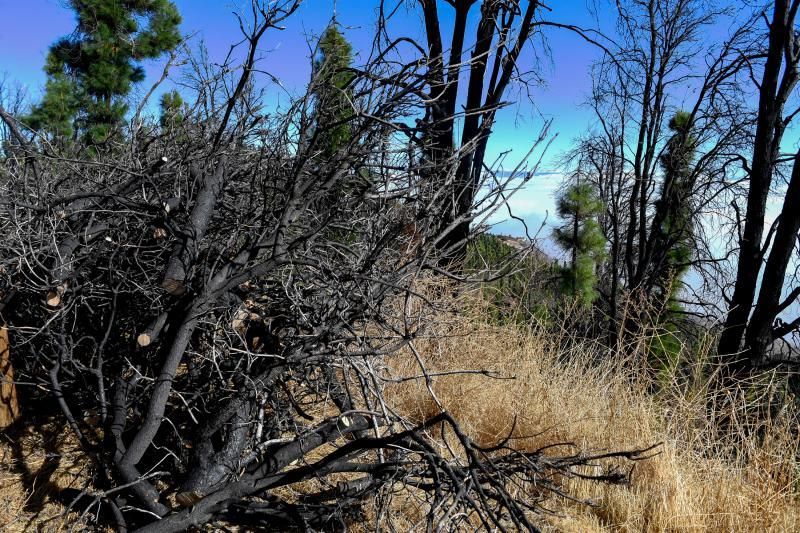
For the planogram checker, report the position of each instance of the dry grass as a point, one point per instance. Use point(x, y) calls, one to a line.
point(558, 397)
point(692, 485)
point(36, 465)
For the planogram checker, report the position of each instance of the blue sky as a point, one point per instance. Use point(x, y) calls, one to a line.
point(37, 23)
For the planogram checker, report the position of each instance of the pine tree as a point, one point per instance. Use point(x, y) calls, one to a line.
point(172, 109)
point(672, 222)
point(332, 81)
point(583, 238)
point(671, 237)
point(333, 114)
point(91, 71)
point(62, 97)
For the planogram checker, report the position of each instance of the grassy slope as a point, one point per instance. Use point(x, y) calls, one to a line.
point(692, 485)
point(559, 397)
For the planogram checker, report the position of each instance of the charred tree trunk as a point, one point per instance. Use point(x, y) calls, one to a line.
point(760, 331)
point(776, 85)
point(9, 403)
point(481, 103)
point(186, 252)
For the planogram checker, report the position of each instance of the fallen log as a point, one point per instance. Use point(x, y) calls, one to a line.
point(153, 330)
point(9, 402)
point(186, 251)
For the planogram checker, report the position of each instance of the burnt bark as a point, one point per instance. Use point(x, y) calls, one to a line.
point(482, 101)
point(761, 328)
point(187, 249)
point(777, 82)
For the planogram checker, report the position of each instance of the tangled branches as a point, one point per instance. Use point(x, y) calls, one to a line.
point(208, 302)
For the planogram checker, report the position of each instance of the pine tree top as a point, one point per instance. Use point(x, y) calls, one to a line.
point(91, 71)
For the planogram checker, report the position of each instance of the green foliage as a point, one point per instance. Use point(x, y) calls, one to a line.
point(582, 237)
point(62, 99)
point(486, 252)
point(666, 347)
point(672, 228)
point(332, 81)
point(672, 232)
point(91, 71)
point(172, 109)
point(520, 294)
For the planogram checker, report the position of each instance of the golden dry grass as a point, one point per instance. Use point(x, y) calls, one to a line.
point(553, 397)
point(36, 464)
point(558, 397)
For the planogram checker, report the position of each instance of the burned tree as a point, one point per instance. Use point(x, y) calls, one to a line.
point(776, 86)
point(654, 162)
point(212, 331)
point(491, 60)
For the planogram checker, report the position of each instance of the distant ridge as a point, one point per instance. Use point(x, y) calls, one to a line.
point(521, 243)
